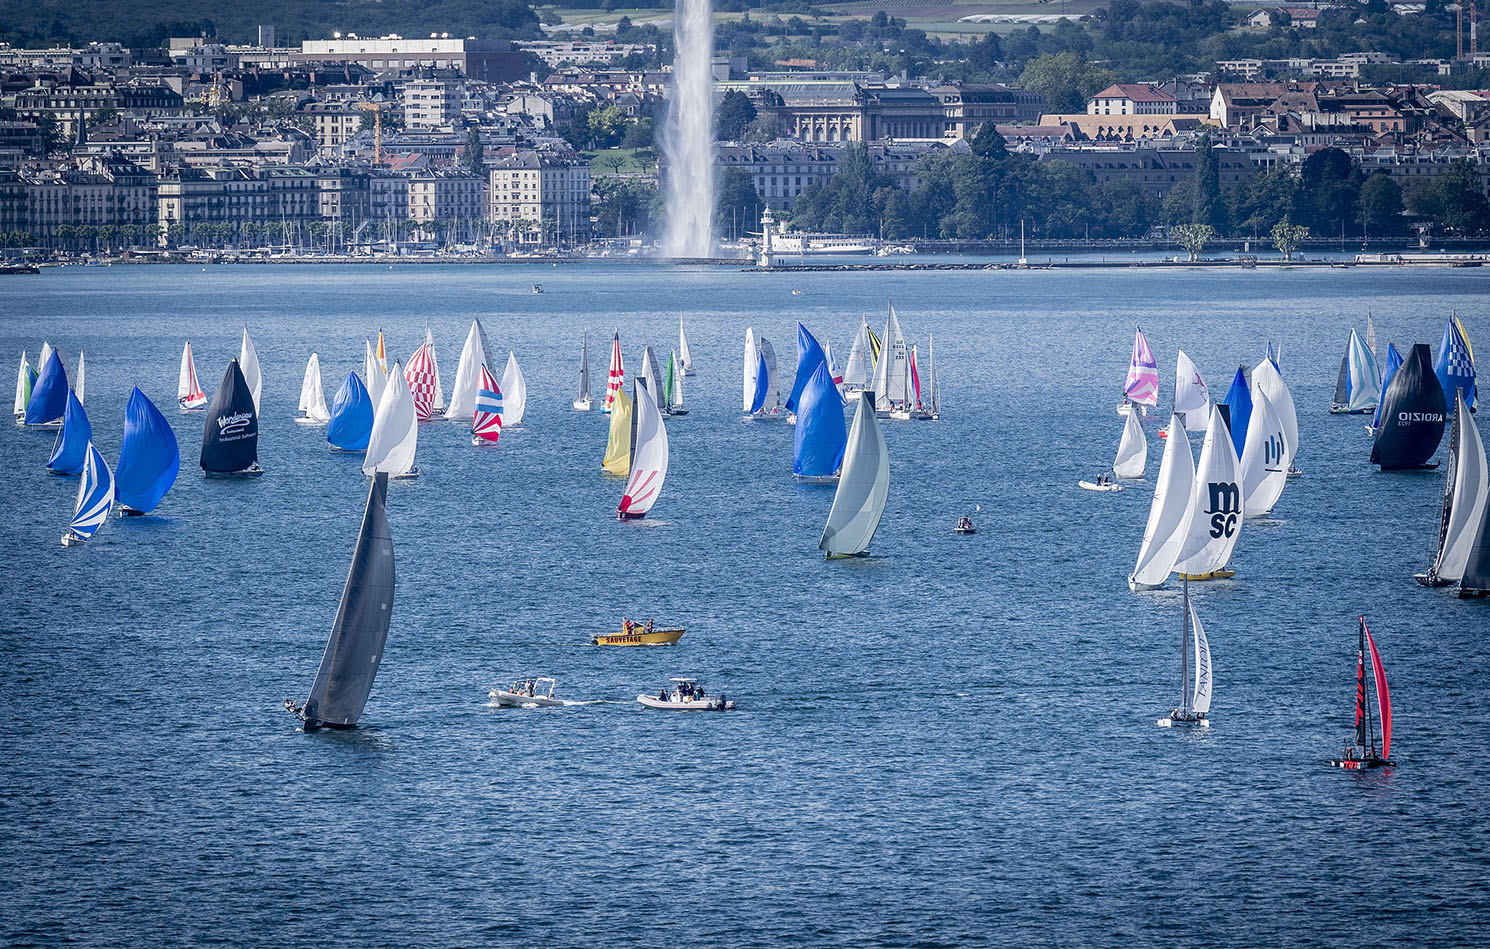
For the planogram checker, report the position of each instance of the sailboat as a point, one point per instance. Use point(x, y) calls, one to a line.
point(189, 394)
point(77, 380)
point(1141, 389)
point(95, 498)
point(616, 376)
point(617, 460)
point(360, 633)
point(514, 392)
point(582, 401)
point(1454, 366)
point(248, 364)
point(1195, 671)
point(1412, 412)
point(70, 449)
point(1364, 752)
point(1169, 513)
point(892, 373)
point(313, 409)
point(1265, 457)
point(1269, 379)
point(1388, 373)
point(473, 356)
point(820, 437)
point(863, 487)
point(762, 395)
point(1466, 486)
point(438, 406)
point(486, 420)
point(1133, 449)
point(230, 436)
point(685, 355)
point(1358, 388)
point(1371, 341)
point(673, 392)
point(1238, 404)
point(48, 399)
point(395, 431)
point(149, 458)
point(932, 409)
point(351, 421)
point(648, 457)
point(908, 409)
point(25, 379)
point(652, 374)
point(420, 380)
point(856, 372)
point(1216, 512)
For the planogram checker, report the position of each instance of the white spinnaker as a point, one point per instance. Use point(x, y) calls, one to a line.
point(1133, 450)
point(1471, 489)
point(373, 375)
point(1267, 377)
point(648, 457)
point(752, 359)
point(1264, 471)
point(1200, 695)
point(462, 405)
point(1364, 375)
point(1169, 513)
point(395, 431)
point(77, 380)
point(863, 485)
point(1192, 399)
point(312, 397)
point(248, 364)
point(1216, 504)
point(514, 392)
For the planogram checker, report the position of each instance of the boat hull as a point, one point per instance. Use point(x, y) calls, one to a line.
point(1093, 486)
point(1432, 580)
point(657, 637)
point(1175, 721)
point(581, 405)
point(1213, 575)
point(518, 700)
point(252, 472)
point(706, 704)
point(1362, 764)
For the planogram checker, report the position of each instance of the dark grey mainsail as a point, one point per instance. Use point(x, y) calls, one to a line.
point(1342, 384)
point(355, 648)
point(1476, 580)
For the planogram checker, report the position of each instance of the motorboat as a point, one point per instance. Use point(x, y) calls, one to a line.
point(964, 526)
point(1099, 485)
point(524, 693)
point(686, 695)
point(636, 634)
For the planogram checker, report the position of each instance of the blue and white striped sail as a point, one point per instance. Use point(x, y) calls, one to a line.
point(1455, 366)
point(70, 450)
point(95, 496)
point(150, 457)
point(1362, 377)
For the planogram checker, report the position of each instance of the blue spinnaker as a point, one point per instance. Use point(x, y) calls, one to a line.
point(351, 416)
point(1455, 367)
point(809, 356)
point(1394, 362)
point(821, 434)
point(49, 395)
point(70, 450)
point(149, 459)
point(1239, 401)
point(762, 382)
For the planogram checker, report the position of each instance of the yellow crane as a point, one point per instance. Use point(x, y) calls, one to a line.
point(376, 108)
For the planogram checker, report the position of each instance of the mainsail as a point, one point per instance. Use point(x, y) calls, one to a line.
point(70, 449)
point(467, 376)
point(312, 397)
point(1265, 457)
point(772, 399)
point(891, 374)
point(189, 394)
point(355, 648)
point(374, 374)
point(820, 436)
point(1142, 385)
point(856, 370)
point(352, 410)
point(248, 364)
point(652, 375)
point(685, 355)
point(420, 380)
point(1466, 488)
point(1216, 512)
point(25, 377)
point(1169, 512)
point(395, 430)
point(1192, 400)
point(230, 435)
point(77, 380)
point(674, 391)
point(616, 376)
point(486, 419)
point(584, 371)
point(95, 498)
point(617, 460)
point(514, 392)
point(1412, 415)
point(48, 399)
point(863, 486)
point(754, 377)
point(1132, 453)
point(648, 457)
point(149, 458)
point(429, 340)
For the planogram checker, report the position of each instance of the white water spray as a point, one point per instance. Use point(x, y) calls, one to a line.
point(689, 143)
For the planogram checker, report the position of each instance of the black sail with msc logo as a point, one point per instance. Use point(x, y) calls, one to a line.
point(230, 436)
point(1413, 411)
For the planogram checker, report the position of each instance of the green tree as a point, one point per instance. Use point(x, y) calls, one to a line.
point(1462, 205)
point(607, 126)
point(1287, 237)
point(1381, 206)
point(1066, 80)
point(1192, 237)
point(1328, 192)
point(988, 143)
point(1208, 208)
point(733, 116)
point(474, 158)
point(740, 206)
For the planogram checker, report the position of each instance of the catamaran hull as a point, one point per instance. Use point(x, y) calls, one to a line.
point(42, 426)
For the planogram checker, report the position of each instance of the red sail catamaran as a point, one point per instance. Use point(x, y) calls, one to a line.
point(1364, 753)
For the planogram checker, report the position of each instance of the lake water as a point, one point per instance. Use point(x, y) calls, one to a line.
point(951, 742)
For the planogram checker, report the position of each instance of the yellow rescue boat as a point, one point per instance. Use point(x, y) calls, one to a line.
point(635, 634)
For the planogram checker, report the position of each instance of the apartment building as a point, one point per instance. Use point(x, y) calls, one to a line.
point(541, 197)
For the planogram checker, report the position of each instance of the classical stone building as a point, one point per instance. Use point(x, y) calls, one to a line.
point(541, 197)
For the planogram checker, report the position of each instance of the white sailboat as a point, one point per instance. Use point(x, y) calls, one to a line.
point(1269, 379)
point(395, 431)
point(467, 382)
point(648, 457)
point(1195, 672)
point(933, 405)
point(23, 386)
point(77, 381)
point(189, 394)
point(95, 499)
point(856, 372)
point(429, 339)
point(1169, 514)
point(374, 374)
point(1465, 492)
point(752, 365)
point(1192, 400)
point(685, 355)
point(1216, 516)
point(582, 402)
point(1133, 448)
point(892, 373)
point(248, 364)
point(1264, 462)
point(312, 407)
point(863, 486)
point(652, 373)
point(514, 392)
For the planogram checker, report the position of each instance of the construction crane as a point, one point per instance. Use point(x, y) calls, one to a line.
point(376, 108)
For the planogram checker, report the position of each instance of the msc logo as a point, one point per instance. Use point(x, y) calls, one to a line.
point(1226, 508)
point(1272, 451)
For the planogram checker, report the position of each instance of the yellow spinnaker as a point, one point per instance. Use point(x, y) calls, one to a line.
point(618, 447)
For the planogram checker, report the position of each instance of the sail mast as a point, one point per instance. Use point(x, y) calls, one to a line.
point(1185, 690)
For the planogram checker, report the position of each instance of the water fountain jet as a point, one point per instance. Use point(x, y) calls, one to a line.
point(689, 140)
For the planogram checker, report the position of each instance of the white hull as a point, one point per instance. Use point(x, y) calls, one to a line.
point(1127, 408)
point(816, 479)
point(519, 700)
point(581, 405)
point(70, 539)
point(705, 704)
point(1176, 722)
point(1093, 486)
point(306, 420)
